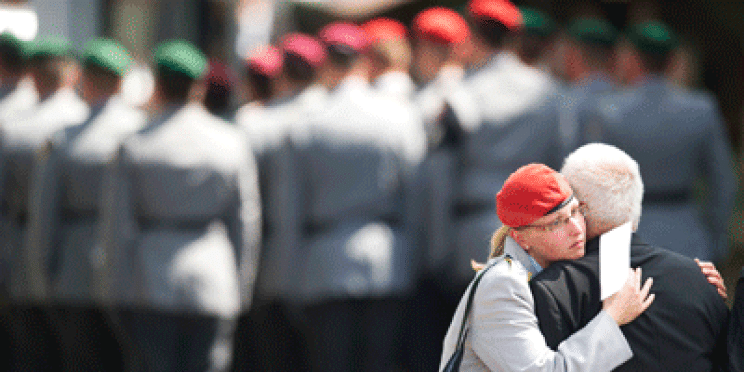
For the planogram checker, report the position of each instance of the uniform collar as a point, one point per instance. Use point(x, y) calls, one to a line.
point(513, 249)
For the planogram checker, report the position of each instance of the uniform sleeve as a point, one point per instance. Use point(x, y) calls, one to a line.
point(288, 192)
point(44, 209)
point(245, 226)
point(505, 334)
point(718, 168)
point(115, 256)
point(438, 171)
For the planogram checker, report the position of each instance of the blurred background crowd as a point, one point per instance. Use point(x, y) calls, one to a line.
point(258, 185)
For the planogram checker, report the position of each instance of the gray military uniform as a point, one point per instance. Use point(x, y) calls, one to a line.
point(181, 217)
point(21, 139)
point(677, 137)
point(349, 171)
point(268, 130)
point(576, 109)
point(66, 193)
point(507, 114)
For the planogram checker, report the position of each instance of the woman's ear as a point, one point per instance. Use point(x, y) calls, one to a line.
point(517, 236)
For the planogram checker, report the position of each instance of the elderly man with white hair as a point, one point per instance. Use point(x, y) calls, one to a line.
point(684, 330)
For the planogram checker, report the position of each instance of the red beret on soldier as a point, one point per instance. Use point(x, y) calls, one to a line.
point(267, 61)
point(502, 11)
point(382, 29)
point(441, 25)
point(531, 192)
point(344, 34)
point(306, 47)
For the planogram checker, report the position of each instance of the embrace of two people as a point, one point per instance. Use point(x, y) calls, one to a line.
point(538, 306)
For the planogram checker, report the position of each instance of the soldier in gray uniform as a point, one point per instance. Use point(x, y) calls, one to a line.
point(390, 58)
point(16, 94)
point(348, 175)
point(64, 210)
point(52, 71)
point(279, 347)
point(587, 61)
point(181, 225)
point(678, 138)
point(502, 116)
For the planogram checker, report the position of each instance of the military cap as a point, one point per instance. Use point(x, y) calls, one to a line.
point(532, 191)
point(537, 22)
point(108, 55)
point(308, 48)
point(441, 25)
point(49, 47)
point(502, 11)
point(381, 29)
point(266, 61)
point(12, 44)
point(652, 37)
point(181, 57)
point(593, 31)
point(343, 35)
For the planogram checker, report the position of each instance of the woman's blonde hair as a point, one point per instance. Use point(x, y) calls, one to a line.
point(497, 246)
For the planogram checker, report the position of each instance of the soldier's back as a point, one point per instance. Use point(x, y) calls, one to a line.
point(678, 138)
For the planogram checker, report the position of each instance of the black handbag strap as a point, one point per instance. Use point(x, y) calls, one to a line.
point(476, 281)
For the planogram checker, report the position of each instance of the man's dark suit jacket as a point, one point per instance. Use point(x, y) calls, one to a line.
point(683, 330)
point(736, 328)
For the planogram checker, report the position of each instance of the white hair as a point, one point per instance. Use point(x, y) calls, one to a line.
point(609, 181)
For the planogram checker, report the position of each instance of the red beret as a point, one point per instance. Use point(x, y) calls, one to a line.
point(531, 192)
point(266, 61)
point(441, 25)
point(346, 34)
point(382, 29)
point(306, 47)
point(502, 11)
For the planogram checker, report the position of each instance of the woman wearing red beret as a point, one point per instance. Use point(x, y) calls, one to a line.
point(542, 223)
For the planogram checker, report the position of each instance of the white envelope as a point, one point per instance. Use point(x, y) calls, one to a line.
point(614, 259)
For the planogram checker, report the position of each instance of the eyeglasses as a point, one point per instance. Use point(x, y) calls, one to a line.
point(560, 223)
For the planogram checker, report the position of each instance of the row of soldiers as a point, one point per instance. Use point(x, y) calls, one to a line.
point(473, 97)
point(127, 242)
point(363, 170)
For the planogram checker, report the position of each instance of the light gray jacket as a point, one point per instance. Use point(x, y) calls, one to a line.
point(504, 335)
point(181, 217)
point(64, 201)
point(22, 137)
point(678, 138)
point(346, 196)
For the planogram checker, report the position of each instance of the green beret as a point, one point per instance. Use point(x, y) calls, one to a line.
point(652, 37)
point(593, 31)
point(9, 43)
point(108, 55)
point(181, 57)
point(537, 22)
point(49, 47)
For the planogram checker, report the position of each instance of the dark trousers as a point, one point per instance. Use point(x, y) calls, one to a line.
point(35, 346)
point(268, 338)
point(360, 335)
point(429, 313)
point(184, 342)
point(86, 339)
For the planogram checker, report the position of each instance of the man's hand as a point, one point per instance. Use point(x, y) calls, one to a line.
point(713, 276)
